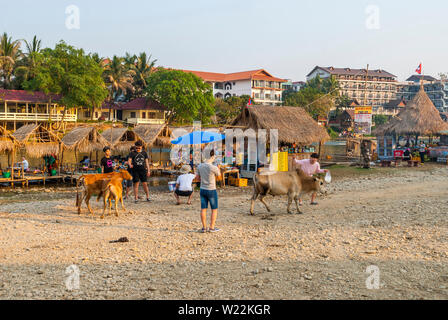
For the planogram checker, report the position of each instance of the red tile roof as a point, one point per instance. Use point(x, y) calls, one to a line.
point(142, 104)
point(26, 96)
point(259, 74)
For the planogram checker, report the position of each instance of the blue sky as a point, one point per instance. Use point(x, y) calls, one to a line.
point(287, 38)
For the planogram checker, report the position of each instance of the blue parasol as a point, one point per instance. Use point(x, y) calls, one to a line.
point(198, 137)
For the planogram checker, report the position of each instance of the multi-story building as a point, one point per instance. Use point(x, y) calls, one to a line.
point(437, 90)
point(258, 84)
point(376, 88)
point(19, 107)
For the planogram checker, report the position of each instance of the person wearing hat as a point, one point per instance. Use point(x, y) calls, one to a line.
point(184, 184)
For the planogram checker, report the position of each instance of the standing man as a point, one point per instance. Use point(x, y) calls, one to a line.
point(310, 167)
point(208, 172)
point(129, 182)
point(139, 163)
point(107, 165)
point(422, 151)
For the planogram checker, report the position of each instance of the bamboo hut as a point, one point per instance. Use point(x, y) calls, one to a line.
point(156, 137)
point(37, 140)
point(84, 139)
point(154, 134)
point(121, 139)
point(294, 124)
point(7, 141)
point(419, 118)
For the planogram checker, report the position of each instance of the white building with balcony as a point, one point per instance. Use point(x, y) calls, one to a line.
point(258, 84)
point(19, 107)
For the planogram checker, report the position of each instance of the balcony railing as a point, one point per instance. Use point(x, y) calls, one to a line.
point(145, 121)
point(13, 116)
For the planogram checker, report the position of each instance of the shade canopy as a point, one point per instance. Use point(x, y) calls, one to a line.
point(198, 137)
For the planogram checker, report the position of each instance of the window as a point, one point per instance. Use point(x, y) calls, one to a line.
point(133, 114)
point(144, 115)
point(96, 114)
point(87, 114)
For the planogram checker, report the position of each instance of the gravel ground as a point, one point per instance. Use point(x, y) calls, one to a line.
point(393, 219)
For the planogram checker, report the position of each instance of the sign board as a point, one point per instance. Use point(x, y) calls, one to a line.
point(363, 120)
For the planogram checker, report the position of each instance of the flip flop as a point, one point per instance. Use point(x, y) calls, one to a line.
point(314, 203)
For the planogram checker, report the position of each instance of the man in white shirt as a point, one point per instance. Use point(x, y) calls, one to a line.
point(310, 167)
point(25, 164)
point(184, 184)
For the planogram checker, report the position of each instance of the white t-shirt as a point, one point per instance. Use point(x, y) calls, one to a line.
point(25, 164)
point(185, 182)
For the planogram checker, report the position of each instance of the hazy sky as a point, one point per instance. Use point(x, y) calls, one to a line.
point(287, 38)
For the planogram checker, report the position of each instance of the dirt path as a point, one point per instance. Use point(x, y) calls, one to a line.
point(396, 222)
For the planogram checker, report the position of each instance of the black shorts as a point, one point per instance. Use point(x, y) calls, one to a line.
point(139, 175)
point(183, 193)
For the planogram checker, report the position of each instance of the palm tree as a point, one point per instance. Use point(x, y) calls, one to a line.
point(26, 66)
point(118, 79)
point(9, 55)
point(143, 68)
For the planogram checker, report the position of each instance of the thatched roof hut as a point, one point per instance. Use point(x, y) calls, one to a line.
point(84, 139)
point(121, 139)
point(419, 117)
point(153, 134)
point(7, 141)
point(37, 140)
point(294, 124)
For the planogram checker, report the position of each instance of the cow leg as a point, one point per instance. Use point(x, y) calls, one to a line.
point(289, 203)
point(116, 205)
point(88, 203)
point(104, 207)
point(265, 204)
point(79, 201)
point(252, 202)
point(297, 206)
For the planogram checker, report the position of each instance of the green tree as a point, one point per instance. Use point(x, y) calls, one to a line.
point(143, 67)
point(26, 66)
point(186, 96)
point(71, 73)
point(226, 110)
point(9, 55)
point(380, 119)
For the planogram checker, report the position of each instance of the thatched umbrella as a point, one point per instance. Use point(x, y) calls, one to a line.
point(294, 124)
point(121, 139)
point(419, 117)
point(37, 140)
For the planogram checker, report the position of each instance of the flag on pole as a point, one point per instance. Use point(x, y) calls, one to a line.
point(419, 69)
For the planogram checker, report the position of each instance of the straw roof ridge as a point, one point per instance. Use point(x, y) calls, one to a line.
point(294, 124)
point(150, 134)
point(7, 141)
point(84, 139)
point(37, 140)
point(420, 116)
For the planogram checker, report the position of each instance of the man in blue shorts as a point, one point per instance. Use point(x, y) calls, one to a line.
point(207, 172)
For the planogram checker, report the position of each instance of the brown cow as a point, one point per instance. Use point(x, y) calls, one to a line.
point(113, 189)
point(93, 184)
point(291, 183)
